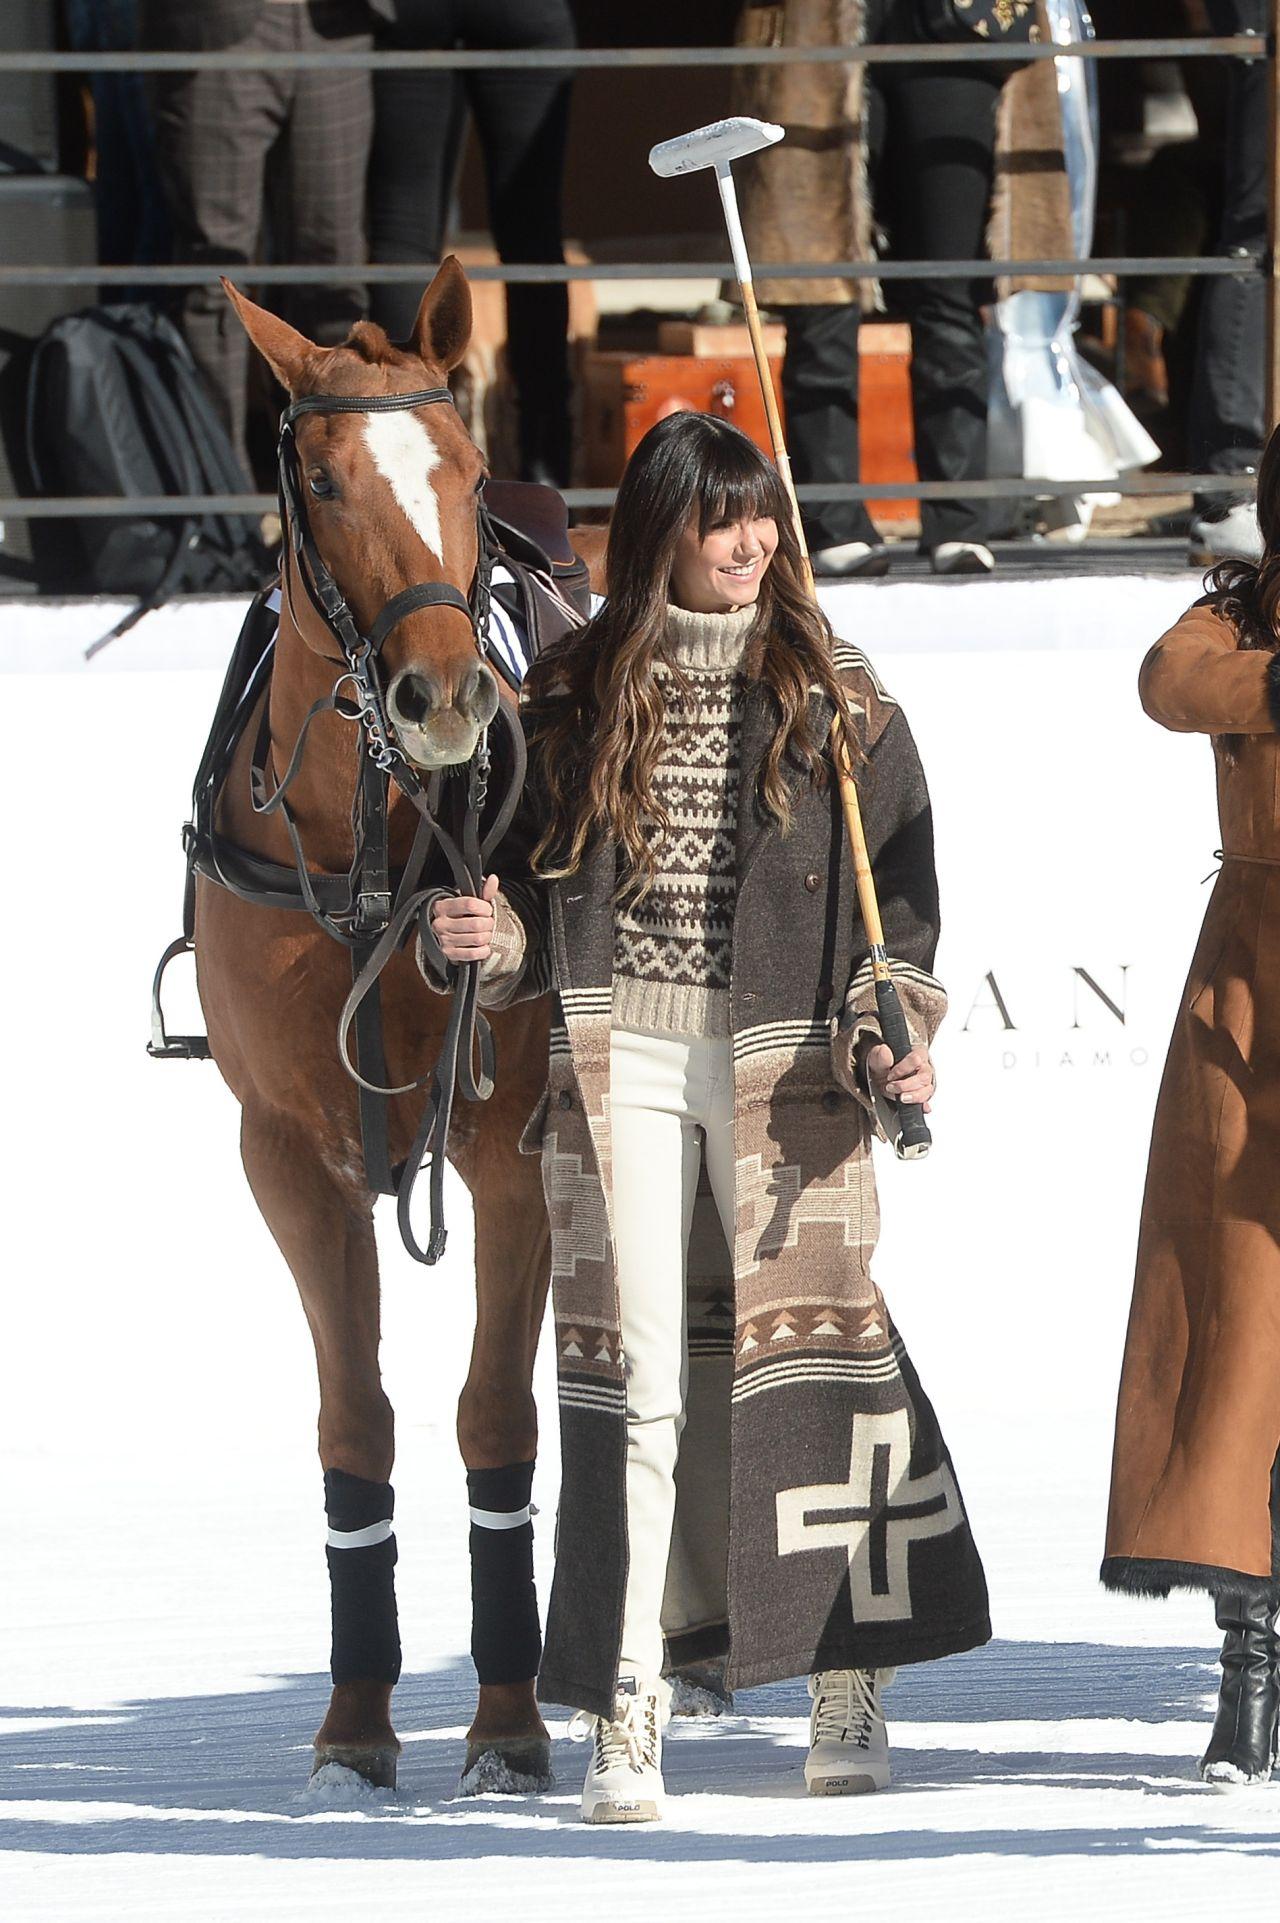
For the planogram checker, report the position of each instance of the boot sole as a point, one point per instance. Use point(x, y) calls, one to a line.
point(622, 1813)
point(1229, 1776)
point(862, 1785)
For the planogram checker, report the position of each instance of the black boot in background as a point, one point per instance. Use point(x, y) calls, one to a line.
point(1243, 1746)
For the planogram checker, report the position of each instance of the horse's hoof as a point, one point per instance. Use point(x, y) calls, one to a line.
point(699, 1689)
point(375, 1762)
point(508, 1766)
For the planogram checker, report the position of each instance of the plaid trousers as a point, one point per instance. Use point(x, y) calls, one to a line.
point(263, 160)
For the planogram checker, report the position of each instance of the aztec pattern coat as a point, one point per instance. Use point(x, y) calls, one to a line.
point(1195, 1493)
point(819, 1523)
point(810, 198)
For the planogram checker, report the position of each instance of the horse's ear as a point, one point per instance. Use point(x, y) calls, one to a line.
point(442, 330)
point(282, 347)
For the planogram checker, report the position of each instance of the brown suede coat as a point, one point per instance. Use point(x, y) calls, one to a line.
point(1198, 1424)
point(809, 198)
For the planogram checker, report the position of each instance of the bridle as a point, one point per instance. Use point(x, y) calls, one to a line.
point(381, 920)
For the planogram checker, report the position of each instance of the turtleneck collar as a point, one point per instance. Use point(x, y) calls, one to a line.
point(709, 642)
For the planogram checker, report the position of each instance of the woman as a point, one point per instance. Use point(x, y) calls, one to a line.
point(750, 1467)
point(1194, 1493)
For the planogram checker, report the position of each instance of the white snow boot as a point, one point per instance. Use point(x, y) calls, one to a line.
point(848, 1741)
point(624, 1776)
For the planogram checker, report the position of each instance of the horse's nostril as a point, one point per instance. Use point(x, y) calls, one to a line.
point(411, 699)
point(477, 696)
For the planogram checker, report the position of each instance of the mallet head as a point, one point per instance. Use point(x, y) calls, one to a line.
point(717, 145)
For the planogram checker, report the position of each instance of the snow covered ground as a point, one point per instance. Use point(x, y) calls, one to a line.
point(163, 1604)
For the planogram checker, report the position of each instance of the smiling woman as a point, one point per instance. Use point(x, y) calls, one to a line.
point(682, 872)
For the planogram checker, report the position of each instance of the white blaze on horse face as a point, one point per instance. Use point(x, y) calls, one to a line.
point(406, 456)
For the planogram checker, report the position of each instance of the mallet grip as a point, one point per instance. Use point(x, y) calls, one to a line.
point(913, 1140)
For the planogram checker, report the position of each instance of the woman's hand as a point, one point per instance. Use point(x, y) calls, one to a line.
point(463, 924)
point(910, 1080)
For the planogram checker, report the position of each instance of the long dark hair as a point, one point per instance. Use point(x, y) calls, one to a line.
point(1248, 592)
point(596, 709)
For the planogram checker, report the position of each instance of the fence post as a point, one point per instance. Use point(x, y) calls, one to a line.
point(1273, 220)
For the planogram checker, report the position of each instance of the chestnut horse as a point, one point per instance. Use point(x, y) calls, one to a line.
point(390, 502)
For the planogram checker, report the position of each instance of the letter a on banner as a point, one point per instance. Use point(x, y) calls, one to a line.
point(996, 1005)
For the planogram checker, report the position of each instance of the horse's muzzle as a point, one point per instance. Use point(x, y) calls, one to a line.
point(438, 720)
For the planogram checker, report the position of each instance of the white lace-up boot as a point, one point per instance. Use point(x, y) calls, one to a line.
point(848, 1741)
point(624, 1776)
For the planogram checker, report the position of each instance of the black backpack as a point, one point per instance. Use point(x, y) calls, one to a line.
point(116, 405)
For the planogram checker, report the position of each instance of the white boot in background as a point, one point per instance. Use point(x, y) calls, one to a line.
point(624, 1776)
point(848, 1741)
point(1234, 535)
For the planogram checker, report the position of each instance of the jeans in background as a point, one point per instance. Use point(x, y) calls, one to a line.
point(133, 224)
point(1227, 426)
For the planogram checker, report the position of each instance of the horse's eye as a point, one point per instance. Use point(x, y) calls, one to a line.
point(320, 484)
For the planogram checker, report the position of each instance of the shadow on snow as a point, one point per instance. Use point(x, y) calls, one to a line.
point(225, 1775)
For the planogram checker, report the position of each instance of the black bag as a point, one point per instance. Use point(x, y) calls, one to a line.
point(1003, 23)
point(116, 405)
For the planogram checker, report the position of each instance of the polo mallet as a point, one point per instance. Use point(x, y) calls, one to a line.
point(718, 146)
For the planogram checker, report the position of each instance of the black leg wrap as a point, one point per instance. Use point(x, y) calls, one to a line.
point(506, 1638)
point(366, 1634)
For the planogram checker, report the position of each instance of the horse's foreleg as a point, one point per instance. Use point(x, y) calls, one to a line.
point(498, 1437)
point(324, 1228)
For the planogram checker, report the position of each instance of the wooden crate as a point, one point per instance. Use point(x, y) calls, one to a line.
point(624, 394)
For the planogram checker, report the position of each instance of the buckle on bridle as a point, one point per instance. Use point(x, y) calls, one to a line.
point(373, 912)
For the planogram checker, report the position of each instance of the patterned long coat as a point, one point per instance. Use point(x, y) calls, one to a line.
point(810, 198)
point(819, 1522)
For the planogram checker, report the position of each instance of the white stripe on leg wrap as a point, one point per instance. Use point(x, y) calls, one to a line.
point(360, 1538)
point(503, 1518)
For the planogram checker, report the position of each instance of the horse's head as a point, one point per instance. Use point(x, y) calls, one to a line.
point(391, 501)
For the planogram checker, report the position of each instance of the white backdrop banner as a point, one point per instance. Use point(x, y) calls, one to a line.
point(1073, 839)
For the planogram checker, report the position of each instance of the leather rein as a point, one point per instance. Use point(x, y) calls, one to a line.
point(381, 919)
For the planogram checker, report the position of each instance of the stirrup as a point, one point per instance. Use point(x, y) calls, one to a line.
point(164, 1047)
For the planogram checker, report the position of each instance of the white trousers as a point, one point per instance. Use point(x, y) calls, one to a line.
point(668, 1094)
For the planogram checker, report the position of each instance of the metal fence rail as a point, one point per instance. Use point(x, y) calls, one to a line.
point(622, 59)
point(1118, 266)
point(1248, 46)
point(97, 507)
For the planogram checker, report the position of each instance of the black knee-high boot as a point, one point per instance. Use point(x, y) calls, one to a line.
point(1242, 1748)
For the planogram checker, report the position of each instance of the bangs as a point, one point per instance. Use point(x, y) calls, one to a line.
point(740, 484)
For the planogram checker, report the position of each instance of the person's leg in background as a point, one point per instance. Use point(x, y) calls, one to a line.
point(820, 395)
point(317, 174)
point(940, 145)
point(419, 119)
point(820, 399)
point(1228, 396)
point(522, 120)
point(213, 134)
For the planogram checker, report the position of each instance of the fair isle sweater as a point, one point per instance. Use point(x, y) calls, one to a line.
point(673, 947)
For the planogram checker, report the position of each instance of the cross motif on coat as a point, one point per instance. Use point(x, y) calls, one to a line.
point(774, 1204)
point(576, 1211)
point(875, 1516)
